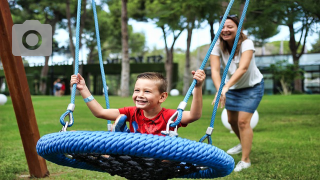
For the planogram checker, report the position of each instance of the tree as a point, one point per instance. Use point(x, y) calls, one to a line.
point(316, 46)
point(288, 13)
point(130, 41)
point(195, 12)
point(47, 12)
point(212, 12)
point(125, 66)
point(71, 44)
point(167, 16)
point(284, 72)
point(261, 31)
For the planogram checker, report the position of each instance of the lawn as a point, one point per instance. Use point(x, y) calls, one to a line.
point(286, 140)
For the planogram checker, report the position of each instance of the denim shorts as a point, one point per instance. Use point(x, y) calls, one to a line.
point(245, 99)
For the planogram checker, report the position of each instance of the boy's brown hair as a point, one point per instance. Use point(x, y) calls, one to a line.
point(162, 82)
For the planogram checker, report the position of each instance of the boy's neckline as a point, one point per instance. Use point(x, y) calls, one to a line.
point(157, 114)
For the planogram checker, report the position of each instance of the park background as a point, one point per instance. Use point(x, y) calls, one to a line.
point(288, 130)
point(177, 32)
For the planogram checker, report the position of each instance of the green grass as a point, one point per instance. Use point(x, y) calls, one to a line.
point(286, 140)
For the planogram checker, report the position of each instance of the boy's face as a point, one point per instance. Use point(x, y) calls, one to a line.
point(146, 94)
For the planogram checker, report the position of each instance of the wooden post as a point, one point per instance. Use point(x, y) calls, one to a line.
point(20, 95)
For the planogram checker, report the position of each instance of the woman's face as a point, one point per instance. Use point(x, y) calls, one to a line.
point(229, 31)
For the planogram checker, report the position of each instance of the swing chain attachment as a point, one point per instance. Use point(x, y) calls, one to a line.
point(69, 113)
point(180, 109)
point(64, 128)
point(208, 135)
point(182, 105)
point(109, 127)
point(167, 132)
point(209, 131)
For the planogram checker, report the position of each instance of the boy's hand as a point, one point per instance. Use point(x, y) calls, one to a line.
point(79, 80)
point(200, 76)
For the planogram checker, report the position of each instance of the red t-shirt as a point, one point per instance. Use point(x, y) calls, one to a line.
point(146, 125)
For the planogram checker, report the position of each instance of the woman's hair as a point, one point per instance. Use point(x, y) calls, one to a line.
point(224, 45)
point(157, 77)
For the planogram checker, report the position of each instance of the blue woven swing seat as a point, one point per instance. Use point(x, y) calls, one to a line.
point(60, 147)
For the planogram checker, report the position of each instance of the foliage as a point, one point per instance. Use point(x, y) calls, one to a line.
point(137, 40)
point(261, 31)
point(284, 72)
point(288, 13)
point(288, 125)
point(316, 46)
point(274, 47)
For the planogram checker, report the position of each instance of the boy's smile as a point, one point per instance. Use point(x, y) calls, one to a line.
point(146, 94)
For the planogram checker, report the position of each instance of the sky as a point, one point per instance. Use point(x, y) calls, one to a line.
point(154, 37)
point(201, 36)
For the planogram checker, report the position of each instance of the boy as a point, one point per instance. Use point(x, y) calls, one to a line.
point(147, 116)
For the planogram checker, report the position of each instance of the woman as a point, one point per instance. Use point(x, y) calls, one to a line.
point(243, 89)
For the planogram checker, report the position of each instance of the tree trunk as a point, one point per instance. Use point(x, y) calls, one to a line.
point(168, 67)
point(285, 87)
point(125, 71)
point(296, 56)
point(212, 35)
point(44, 75)
point(187, 74)
point(297, 80)
point(71, 44)
point(45, 68)
point(169, 55)
point(82, 21)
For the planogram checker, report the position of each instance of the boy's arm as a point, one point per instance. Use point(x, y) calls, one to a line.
point(96, 109)
point(196, 105)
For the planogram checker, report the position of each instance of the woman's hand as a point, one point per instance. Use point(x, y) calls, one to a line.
point(79, 80)
point(222, 100)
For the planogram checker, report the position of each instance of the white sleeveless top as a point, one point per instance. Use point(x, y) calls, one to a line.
point(250, 78)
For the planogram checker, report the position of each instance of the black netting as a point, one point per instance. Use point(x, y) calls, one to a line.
point(132, 167)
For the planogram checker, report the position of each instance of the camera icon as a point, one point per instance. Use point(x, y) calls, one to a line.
point(31, 39)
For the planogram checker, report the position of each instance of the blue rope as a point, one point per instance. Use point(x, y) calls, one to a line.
point(225, 70)
point(227, 67)
point(229, 62)
point(74, 87)
point(194, 82)
point(76, 69)
point(100, 57)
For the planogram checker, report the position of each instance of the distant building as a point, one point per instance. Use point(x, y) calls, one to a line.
point(310, 63)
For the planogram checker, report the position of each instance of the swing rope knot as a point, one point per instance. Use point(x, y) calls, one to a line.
point(167, 132)
point(207, 136)
point(69, 113)
point(177, 115)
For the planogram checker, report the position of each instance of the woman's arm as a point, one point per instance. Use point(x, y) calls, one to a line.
point(215, 70)
point(244, 63)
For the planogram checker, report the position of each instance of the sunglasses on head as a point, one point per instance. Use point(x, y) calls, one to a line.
point(230, 16)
